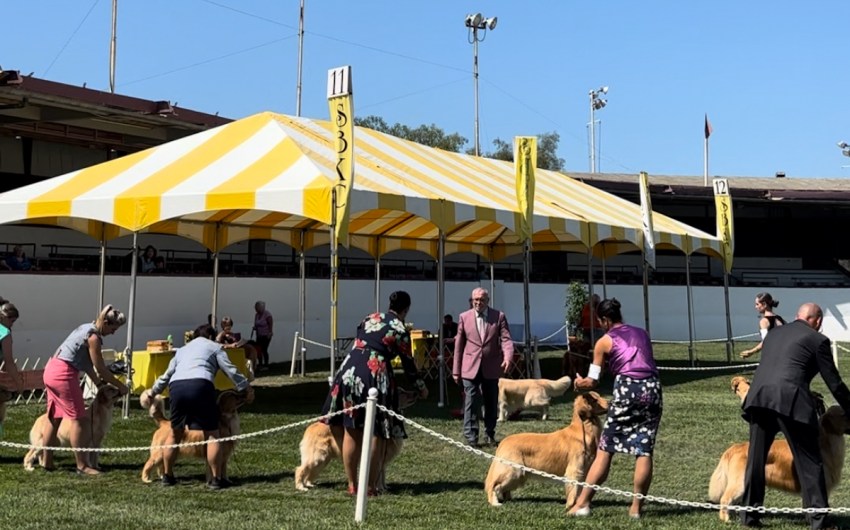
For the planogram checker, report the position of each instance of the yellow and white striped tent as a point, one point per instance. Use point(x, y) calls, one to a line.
point(270, 176)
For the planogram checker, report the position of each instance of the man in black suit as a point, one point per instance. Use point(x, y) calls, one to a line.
point(780, 400)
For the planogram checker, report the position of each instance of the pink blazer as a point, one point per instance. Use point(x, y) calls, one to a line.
point(487, 353)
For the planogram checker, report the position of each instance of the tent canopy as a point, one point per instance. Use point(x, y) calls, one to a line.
point(270, 176)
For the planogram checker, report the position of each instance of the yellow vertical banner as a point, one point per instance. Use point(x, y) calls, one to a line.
point(725, 228)
point(646, 214)
point(525, 162)
point(341, 105)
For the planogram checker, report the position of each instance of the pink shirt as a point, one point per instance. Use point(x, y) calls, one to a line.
point(631, 353)
point(262, 323)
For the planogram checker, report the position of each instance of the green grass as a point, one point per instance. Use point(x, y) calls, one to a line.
point(433, 485)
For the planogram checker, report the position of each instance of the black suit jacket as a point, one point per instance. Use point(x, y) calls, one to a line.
point(790, 357)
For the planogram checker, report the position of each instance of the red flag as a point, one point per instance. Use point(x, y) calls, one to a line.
point(708, 128)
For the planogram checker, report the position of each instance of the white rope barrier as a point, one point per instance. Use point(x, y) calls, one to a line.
point(235, 437)
point(842, 348)
point(724, 339)
point(606, 489)
point(308, 341)
point(743, 366)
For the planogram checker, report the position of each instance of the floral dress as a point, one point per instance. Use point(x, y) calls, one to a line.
point(381, 337)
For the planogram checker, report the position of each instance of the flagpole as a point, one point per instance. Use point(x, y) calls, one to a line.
point(705, 163)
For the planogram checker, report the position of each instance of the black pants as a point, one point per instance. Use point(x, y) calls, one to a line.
point(263, 350)
point(803, 441)
point(474, 390)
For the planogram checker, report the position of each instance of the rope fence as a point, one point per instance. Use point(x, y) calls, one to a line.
point(696, 341)
point(459, 445)
point(606, 489)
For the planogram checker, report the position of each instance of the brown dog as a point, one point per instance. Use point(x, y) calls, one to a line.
point(568, 452)
point(229, 402)
point(322, 443)
point(517, 394)
point(727, 481)
point(98, 423)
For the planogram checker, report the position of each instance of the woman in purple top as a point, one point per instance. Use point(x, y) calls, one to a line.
point(635, 410)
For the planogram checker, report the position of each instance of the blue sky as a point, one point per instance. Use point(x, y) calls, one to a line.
point(772, 76)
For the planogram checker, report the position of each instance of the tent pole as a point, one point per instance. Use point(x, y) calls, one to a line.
point(131, 320)
point(441, 310)
point(526, 273)
point(334, 285)
point(646, 294)
point(102, 276)
point(492, 277)
point(730, 345)
point(302, 297)
point(690, 310)
point(604, 277)
point(590, 296)
point(214, 312)
point(378, 278)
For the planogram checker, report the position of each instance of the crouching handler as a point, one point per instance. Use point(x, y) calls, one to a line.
point(189, 379)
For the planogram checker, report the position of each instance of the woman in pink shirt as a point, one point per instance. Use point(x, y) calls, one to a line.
point(634, 413)
point(264, 328)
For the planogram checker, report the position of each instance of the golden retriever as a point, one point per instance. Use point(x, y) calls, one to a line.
point(568, 452)
point(97, 425)
point(740, 386)
point(727, 481)
point(229, 402)
point(523, 394)
point(322, 443)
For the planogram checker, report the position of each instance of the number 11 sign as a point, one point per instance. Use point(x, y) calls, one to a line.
point(339, 82)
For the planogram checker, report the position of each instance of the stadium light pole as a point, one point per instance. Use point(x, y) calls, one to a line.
point(475, 22)
point(596, 103)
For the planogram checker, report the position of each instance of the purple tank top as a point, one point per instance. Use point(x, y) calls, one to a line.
point(631, 353)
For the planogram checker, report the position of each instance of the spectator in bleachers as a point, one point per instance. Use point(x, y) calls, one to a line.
point(159, 265)
point(17, 260)
point(147, 259)
point(8, 315)
point(769, 320)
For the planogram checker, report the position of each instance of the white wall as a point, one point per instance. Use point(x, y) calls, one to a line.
point(52, 305)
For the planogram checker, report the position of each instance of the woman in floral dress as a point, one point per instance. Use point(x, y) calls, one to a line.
point(635, 410)
point(381, 337)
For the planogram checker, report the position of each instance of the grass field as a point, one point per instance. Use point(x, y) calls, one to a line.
point(434, 485)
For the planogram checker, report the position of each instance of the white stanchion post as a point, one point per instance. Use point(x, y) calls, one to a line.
point(294, 350)
point(366, 456)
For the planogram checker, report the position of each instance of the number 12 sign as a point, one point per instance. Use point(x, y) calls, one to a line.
point(339, 82)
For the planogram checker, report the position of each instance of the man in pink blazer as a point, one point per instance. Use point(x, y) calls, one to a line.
point(483, 352)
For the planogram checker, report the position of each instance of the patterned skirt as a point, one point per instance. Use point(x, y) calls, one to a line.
point(360, 371)
point(633, 416)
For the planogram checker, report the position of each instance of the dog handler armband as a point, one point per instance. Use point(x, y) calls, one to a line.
point(763, 333)
point(594, 371)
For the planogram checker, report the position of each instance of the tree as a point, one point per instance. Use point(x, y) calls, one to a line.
point(429, 135)
point(433, 136)
point(547, 151)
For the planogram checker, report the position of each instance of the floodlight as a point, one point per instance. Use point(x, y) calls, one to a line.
point(473, 20)
point(491, 22)
point(842, 145)
point(604, 90)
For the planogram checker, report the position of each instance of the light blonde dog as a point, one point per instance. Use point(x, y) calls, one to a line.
point(535, 394)
point(96, 426)
point(568, 452)
point(229, 402)
point(727, 481)
point(322, 443)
